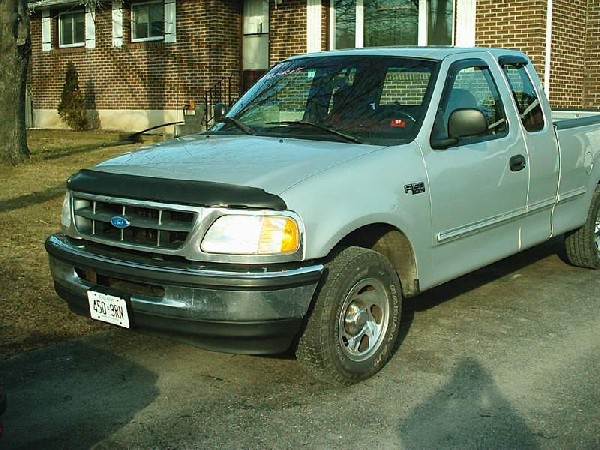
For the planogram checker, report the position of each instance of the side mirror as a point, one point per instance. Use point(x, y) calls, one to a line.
point(466, 122)
point(461, 123)
point(219, 111)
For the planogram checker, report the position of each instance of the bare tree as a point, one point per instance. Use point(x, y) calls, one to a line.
point(14, 56)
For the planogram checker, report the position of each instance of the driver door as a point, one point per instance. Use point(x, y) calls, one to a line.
point(478, 192)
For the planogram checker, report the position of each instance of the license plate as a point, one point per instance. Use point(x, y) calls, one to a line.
point(108, 308)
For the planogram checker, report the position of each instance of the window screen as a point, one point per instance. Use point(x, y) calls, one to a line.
point(71, 29)
point(147, 21)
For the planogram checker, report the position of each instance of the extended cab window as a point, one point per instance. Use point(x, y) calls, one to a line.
point(472, 87)
point(525, 97)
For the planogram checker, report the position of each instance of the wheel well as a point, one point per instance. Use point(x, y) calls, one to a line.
point(394, 245)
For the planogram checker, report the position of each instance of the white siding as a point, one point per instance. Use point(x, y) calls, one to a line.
point(117, 23)
point(313, 25)
point(90, 28)
point(465, 23)
point(170, 21)
point(46, 31)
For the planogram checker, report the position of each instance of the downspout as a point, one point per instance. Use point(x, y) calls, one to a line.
point(548, 48)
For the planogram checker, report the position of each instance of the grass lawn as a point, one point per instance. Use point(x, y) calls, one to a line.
point(31, 194)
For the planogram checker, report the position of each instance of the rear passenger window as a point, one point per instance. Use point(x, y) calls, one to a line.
point(525, 97)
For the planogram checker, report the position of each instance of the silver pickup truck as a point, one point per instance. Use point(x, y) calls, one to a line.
point(341, 183)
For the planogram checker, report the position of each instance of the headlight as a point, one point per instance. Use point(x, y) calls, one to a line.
point(65, 215)
point(252, 235)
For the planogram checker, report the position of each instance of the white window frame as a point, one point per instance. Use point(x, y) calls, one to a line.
point(313, 25)
point(152, 38)
point(117, 23)
point(360, 23)
point(46, 31)
point(60, 37)
point(466, 12)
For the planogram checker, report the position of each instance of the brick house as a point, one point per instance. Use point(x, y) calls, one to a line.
point(140, 61)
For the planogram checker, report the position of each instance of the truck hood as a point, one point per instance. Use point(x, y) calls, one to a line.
point(272, 164)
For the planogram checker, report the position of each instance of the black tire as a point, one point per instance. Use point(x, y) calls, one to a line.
point(354, 323)
point(583, 245)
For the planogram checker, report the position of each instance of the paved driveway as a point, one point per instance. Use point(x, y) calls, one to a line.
point(507, 357)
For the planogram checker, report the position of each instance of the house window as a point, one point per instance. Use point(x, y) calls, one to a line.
point(370, 23)
point(71, 29)
point(147, 21)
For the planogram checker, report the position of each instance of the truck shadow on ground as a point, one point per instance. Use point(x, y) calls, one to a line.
point(477, 279)
point(71, 395)
point(469, 411)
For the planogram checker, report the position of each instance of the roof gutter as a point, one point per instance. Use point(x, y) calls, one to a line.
point(43, 4)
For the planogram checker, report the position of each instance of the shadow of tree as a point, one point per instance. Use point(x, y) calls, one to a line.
point(469, 411)
point(23, 201)
point(92, 108)
point(57, 154)
point(84, 396)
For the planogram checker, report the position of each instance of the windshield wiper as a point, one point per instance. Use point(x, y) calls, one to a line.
point(239, 124)
point(341, 134)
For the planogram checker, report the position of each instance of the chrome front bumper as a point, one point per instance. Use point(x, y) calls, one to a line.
point(241, 309)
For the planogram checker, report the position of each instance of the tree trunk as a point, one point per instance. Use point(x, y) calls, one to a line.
point(14, 56)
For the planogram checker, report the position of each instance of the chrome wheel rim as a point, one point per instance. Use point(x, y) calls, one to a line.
point(363, 319)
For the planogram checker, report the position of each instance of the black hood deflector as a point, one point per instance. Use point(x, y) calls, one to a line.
point(164, 190)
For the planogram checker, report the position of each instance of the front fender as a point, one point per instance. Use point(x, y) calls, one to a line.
point(365, 191)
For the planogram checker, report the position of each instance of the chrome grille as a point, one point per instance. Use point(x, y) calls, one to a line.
point(150, 226)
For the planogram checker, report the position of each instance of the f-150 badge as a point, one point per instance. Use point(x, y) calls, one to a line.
point(414, 188)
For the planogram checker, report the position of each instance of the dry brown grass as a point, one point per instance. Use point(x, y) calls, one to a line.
point(31, 314)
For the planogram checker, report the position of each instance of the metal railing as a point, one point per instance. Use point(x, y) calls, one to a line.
point(220, 92)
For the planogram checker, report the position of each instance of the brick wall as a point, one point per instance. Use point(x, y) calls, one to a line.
point(158, 75)
point(591, 93)
point(404, 88)
point(568, 51)
point(288, 30)
point(146, 75)
point(519, 24)
point(575, 65)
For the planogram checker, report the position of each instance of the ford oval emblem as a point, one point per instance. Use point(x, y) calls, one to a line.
point(119, 222)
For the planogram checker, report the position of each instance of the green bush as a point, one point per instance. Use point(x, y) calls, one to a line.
point(71, 108)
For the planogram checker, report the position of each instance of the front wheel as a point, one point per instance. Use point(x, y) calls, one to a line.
point(583, 245)
point(353, 327)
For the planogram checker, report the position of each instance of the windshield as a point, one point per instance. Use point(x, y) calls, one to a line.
point(371, 99)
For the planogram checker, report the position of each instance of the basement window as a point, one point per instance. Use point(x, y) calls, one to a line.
point(147, 21)
point(71, 29)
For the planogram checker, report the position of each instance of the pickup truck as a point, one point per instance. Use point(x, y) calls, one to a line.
point(339, 184)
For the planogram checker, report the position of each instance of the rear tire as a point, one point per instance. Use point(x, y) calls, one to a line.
point(583, 245)
point(353, 326)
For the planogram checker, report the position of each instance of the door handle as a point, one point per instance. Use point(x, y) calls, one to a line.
point(517, 163)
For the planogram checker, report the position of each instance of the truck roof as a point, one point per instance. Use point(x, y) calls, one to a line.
point(433, 52)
